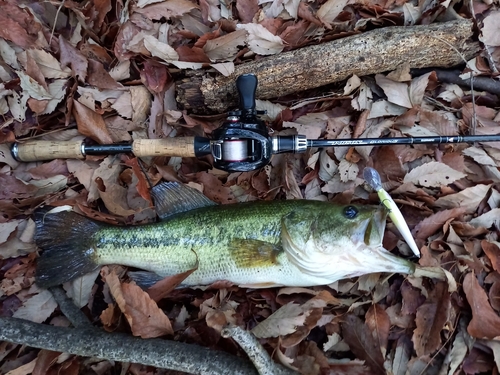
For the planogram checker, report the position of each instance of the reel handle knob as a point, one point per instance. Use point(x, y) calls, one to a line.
point(246, 84)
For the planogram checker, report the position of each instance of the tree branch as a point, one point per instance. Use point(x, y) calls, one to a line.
point(92, 342)
point(257, 354)
point(69, 309)
point(376, 51)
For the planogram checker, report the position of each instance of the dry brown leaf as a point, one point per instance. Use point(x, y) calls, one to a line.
point(492, 251)
point(146, 319)
point(90, 123)
point(397, 92)
point(282, 322)
point(18, 26)
point(260, 40)
point(491, 29)
point(140, 100)
point(37, 308)
point(433, 223)
point(487, 220)
point(24, 369)
point(48, 64)
point(45, 359)
point(114, 197)
point(163, 287)
point(80, 289)
point(417, 89)
point(468, 199)
point(430, 320)
point(379, 322)
point(71, 56)
point(485, 323)
point(168, 9)
point(159, 49)
point(99, 77)
point(361, 342)
point(247, 9)
point(32, 87)
point(328, 11)
point(440, 122)
point(348, 171)
point(311, 131)
point(433, 174)
point(225, 48)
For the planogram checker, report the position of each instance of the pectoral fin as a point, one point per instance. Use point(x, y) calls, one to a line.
point(254, 253)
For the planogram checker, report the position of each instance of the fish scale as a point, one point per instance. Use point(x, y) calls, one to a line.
point(173, 246)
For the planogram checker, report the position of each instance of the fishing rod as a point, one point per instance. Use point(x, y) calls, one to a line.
point(241, 144)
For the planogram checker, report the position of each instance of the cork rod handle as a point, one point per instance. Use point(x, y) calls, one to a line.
point(48, 150)
point(182, 146)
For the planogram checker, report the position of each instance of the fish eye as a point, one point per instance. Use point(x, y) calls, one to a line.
point(350, 212)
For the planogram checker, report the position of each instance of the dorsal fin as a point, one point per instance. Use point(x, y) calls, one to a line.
point(172, 198)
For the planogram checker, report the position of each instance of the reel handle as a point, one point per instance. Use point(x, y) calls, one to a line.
point(246, 84)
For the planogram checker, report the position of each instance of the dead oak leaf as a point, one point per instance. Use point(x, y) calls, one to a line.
point(225, 47)
point(433, 223)
point(487, 220)
point(168, 9)
point(282, 322)
point(396, 92)
point(48, 64)
point(71, 56)
point(18, 25)
point(379, 322)
point(99, 77)
point(330, 10)
point(362, 343)
point(260, 40)
point(433, 174)
point(159, 49)
point(38, 308)
point(468, 199)
point(485, 323)
point(146, 319)
point(491, 29)
point(90, 123)
point(492, 251)
point(432, 315)
point(163, 287)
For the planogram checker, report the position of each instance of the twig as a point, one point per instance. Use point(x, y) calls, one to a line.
point(55, 21)
point(453, 76)
point(190, 358)
point(474, 117)
point(69, 309)
point(257, 354)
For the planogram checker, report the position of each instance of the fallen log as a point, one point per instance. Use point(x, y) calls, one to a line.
point(437, 45)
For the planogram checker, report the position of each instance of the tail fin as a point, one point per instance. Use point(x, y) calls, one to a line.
point(66, 239)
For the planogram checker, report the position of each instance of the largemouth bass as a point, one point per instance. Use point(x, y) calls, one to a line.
point(254, 244)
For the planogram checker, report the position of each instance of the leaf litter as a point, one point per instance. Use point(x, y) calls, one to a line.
point(69, 71)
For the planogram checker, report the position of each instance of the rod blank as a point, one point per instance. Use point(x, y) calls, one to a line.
point(401, 140)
